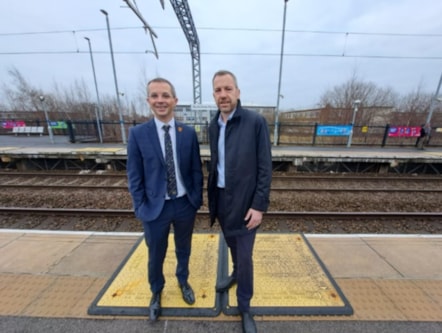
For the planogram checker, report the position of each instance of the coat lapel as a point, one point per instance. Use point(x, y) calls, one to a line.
point(153, 137)
point(179, 139)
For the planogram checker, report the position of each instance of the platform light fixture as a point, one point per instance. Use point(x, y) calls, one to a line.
point(123, 132)
point(43, 104)
point(433, 100)
point(276, 131)
point(356, 104)
point(97, 107)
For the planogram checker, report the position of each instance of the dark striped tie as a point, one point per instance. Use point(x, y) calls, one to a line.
point(171, 178)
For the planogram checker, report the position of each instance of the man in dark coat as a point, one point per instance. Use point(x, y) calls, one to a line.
point(239, 184)
point(425, 136)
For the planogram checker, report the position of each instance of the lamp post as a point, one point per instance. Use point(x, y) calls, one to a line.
point(42, 100)
point(355, 109)
point(275, 135)
point(97, 108)
point(433, 101)
point(123, 132)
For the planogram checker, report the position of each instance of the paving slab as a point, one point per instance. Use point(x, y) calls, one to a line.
point(416, 258)
point(352, 258)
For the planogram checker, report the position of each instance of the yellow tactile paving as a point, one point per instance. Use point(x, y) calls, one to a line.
point(288, 275)
point(19, 291)
point(85, 300)
point(433, 288)
point(369, 302)
point(130, 289)
point(412, 301)
point(59, 298)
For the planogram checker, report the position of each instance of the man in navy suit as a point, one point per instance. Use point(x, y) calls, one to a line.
point(166, 188)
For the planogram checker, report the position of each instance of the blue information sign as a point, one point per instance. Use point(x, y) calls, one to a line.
point(333, 130)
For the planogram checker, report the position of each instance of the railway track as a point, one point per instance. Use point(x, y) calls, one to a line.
point(272, 214)
point(10, 175)
point(308, 203)
point(335, 183)
point(123, 220)
point(274, 189)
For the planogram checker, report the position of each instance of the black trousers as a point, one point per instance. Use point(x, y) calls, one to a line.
point(241, 252)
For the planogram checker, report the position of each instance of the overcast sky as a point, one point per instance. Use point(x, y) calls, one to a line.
point(392, 43)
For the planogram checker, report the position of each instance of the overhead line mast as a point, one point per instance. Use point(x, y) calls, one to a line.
point(184, 16)
point(146, 26)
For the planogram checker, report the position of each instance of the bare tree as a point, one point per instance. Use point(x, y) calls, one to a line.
point(74, 102)
point(343, 96)
point(375, 101)
point(19, 94)
point(412, 108)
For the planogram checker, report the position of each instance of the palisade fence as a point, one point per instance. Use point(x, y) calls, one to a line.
point(306, 134)
point(291, 134)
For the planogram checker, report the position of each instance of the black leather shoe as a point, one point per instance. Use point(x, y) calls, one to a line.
point(225, 284)
point(248, 323)
point(188, 295)
point(155, 306)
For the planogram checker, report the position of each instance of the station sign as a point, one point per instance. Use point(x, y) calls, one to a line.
point(8, 124)
point(333, 130)
point(404, 131)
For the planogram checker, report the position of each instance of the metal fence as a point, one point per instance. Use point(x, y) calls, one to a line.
point(289, 134)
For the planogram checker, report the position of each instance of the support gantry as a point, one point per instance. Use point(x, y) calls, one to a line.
point(184, 16)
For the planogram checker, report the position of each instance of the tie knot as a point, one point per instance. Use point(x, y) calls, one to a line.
point(166, 128)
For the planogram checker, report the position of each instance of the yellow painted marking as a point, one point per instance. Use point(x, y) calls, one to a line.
point(7, 148)
point(287, 274)
point(98, 149)
point(130, 287)
point(434, 153)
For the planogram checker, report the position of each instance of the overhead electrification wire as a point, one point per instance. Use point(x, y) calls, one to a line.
point(331, 55)
point(344, 54)
point(232, 29)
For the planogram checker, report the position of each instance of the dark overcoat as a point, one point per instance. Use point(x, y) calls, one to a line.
point(248, 168)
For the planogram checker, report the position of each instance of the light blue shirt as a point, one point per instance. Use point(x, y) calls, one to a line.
point(181, 190)
point(221, 181)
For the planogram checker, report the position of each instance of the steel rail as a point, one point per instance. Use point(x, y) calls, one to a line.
point(275, 177)
point(276, 189)
point(271, 214)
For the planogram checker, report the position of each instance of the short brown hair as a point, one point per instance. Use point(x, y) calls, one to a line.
point(223, 72)
point(162, 80)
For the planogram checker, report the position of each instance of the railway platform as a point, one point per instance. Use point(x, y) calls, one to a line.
point(49, 279)
point(27, 153)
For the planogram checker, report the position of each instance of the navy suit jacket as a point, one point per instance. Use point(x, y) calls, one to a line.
point(146, 168)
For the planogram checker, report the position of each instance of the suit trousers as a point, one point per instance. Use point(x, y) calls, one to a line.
point(180, 214)
point(241, 252)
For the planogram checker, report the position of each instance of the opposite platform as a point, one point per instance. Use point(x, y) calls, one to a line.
point(26, 153)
